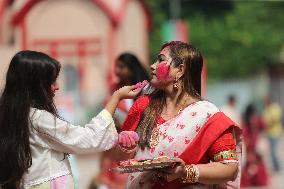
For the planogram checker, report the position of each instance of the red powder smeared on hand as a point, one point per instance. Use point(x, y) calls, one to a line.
point(163, 71)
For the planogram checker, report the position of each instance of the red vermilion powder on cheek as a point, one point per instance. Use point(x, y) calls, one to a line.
point(163, 71)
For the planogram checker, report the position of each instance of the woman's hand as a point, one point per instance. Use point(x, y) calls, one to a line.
point(170, 174)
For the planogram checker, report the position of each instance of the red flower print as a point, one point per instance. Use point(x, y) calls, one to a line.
point(181, 126)
point(161, 153)
point(197, 128)
point(170, 138)
point(165, 135)
point(208, 115)
point(186, 140)
point(152, 149)
point(175, 153)
point(193, 114)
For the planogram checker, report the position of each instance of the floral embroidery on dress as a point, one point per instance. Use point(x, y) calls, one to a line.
point(176, 153)
point(180, 126)
point(197, 128)
point(161, 153)
point(186, 140)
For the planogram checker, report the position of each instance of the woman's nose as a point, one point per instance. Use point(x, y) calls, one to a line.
point(153, 67)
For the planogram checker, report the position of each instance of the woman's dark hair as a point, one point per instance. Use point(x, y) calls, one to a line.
point(139, 73)
point(181, 53)
point(249, 112)
point(28, 84)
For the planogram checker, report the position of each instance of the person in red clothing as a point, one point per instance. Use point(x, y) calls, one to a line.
point(254, 172)
point(174, 121)
point(129, 71)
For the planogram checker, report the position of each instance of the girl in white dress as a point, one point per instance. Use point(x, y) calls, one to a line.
point(34, 140)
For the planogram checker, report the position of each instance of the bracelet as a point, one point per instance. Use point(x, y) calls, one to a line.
point(126, 150)
point(226, 155)
point(192, 174)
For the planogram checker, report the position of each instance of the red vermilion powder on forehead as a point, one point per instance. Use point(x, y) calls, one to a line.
point(162, 71)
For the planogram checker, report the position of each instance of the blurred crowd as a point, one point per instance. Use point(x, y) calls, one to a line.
point(262, 129)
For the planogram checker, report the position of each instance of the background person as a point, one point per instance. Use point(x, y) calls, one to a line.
point(273, 117)
point(254, 171)
point(230, 109)
point(129, 71)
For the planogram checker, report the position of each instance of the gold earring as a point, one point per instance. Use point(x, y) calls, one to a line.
point(176, 85)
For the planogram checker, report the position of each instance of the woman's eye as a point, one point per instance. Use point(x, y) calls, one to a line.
point(160, 59)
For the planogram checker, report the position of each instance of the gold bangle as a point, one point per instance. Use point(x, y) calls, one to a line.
point(126, 150)
point(192, 174)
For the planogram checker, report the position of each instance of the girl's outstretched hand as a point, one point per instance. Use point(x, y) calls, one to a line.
point(129, 91)
point(123, 92)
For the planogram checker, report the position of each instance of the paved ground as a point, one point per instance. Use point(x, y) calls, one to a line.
point(88, 167)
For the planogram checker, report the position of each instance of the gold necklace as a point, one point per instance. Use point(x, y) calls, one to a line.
point(154, 139)
point(155, 136)
point(183, 105)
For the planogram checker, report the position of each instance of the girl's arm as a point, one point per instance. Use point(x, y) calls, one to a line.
point(98, 135)
point(124, 92)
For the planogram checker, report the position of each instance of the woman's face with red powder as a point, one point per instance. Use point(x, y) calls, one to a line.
point(160, 70)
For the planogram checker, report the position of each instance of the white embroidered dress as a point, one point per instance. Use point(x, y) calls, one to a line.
point(51, 137)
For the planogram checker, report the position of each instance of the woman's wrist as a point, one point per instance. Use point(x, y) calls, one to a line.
point(191, 174)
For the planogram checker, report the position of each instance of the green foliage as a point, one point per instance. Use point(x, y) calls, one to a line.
point(238, 38)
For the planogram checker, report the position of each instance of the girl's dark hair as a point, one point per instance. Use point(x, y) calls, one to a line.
point(181, 53)
point(28, 84)
point(139, 73)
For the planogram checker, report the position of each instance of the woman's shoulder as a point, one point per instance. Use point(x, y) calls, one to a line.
point(206, 106)
point(143, 99)
point(142, 102)
point(139, 105)
point(202, 109)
